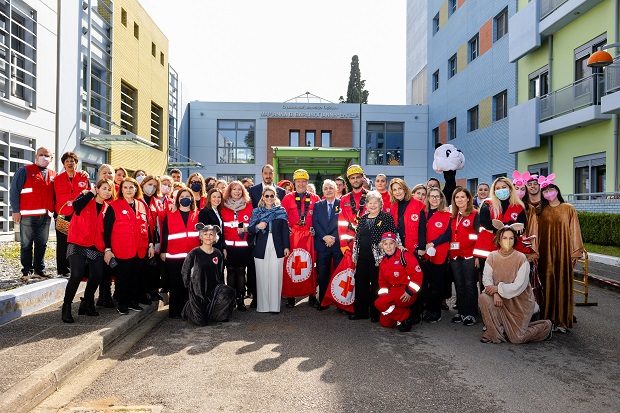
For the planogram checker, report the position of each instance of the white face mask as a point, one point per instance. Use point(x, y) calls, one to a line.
point(149, 189)
point(165, 189)
point(140, 178)
point(43, 161)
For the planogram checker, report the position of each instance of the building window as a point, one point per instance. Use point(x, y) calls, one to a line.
point(384, 143)
point(310, 138)
point(156, 124)
point(136, 31)
point(235, 141)
point(435, 24)
point(452, 5)
point(326, 138)
point(582, 54)
point(500, 175)
point(472, 185)
point(472, 119)
point(501, 24)
point(161, 58)
point(452, 129)
point(128, 109)
point(435, 136)
point(539, 83)
point(293, 138)
point(230, 178)
point(124, 17)
point(435, 80)
point(452, 66)
point(153, 49)
point(590, 174)
point(474, 48)
point(539, 169)
point(18, 55)
point(500, 104)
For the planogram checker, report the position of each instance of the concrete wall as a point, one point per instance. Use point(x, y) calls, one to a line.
point(417, 29)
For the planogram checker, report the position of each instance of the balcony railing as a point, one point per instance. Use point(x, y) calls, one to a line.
point(612, 76)
point(582, 93)
point(548, 6)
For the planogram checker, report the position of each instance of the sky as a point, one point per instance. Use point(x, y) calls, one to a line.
point(275, 50)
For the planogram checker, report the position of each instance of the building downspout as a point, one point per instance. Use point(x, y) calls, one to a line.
point(615, 115)
point(549, 76)
point(57, 121)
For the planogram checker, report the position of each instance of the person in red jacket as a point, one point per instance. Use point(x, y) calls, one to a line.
point(151, 189)
point(86, 247)
point(400, 278)
point(67, 186)
point(408, 214)
point(32, 200)
point(127, 242)
point(381, 184)
point(178, 237)
point(352, 207)
point(465, 226)
point(435, 253)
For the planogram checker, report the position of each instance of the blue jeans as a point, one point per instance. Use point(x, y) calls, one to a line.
point(466, 283)
point(34, 229)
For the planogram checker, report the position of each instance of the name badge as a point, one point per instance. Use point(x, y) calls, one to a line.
point(455, 245)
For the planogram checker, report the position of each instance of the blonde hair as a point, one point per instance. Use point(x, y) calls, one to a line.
point(403, 185)
point(269, 188)
point(496, 204)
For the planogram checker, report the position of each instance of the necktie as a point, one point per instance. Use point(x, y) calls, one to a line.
point(330, 210)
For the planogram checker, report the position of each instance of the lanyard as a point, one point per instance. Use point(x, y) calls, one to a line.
point(354, 206)
point(299, 201)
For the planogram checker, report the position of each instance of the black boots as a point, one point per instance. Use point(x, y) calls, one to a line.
point(87, 307)
point(66, 313)
point(240, 304)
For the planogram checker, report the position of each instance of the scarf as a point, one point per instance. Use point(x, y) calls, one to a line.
point(235, 206)
point(262, 214)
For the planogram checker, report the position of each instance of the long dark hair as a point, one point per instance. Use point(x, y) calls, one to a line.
point(543, 201)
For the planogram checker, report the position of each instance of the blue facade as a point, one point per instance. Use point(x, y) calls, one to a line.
point(486, 149)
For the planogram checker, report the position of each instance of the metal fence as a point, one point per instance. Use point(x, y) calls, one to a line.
point(612, 77)
point(548, 6)
point(584, 92)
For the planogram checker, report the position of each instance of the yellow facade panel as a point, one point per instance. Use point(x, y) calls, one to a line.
point(443, 14)
point(461, 58)
point(485, 111)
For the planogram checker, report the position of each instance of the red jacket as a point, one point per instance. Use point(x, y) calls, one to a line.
point(348, 216)
point(37, 195)
point(67, 190)
point(231, 236)
point(181, 238)
point(465, 234)
point(289, 202)
point(435, 227)
point(414, 209)
point(157, 213)
point(400, 270)
point(86, 229)
point(484, 243)
point(387, 205)
point(130, 232)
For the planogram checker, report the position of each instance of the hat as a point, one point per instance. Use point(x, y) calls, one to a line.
point(388, 235)
point(545, 181)
point(301, 174)
point(354, 169)
point(200, 227)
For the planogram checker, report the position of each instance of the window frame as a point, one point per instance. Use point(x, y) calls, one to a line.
point(234, 148)
point(157, 114)
point(452, 66)
point(129, 98)
point(504, 109)
point(452, 129)
point(436, 24)
point(290, 137)
point(473, 123)
point(452, 7)
point(591, 162)
point(435, 135)
point(435, 81)
point(473, 48)
point(542, 73)
point(381, 150)
point(325, 133)
point(501, 20)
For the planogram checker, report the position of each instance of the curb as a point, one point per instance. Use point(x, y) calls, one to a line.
point(29, 392)
point(599, 281)
point(604, 259)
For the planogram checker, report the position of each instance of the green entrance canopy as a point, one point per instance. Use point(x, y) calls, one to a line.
point(328, 161)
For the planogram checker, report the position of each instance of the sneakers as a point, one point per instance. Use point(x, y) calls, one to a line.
point(122, 309)
point(42, 274)
point(470, 320)
point(405, 326)
point(134, 307)
point(431, 317)
point(457, 318)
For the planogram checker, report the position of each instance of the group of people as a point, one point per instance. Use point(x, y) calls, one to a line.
point(394, 251)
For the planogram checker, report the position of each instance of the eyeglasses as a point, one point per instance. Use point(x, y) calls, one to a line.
point(268, 196)
point(434, 196)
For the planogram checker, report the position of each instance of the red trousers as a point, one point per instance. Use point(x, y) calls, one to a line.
point(392, 307)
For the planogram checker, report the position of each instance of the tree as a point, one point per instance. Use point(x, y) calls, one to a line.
point(356, 84)
point(318, 184)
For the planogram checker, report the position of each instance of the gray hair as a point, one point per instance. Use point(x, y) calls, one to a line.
point(374, 194)
point(329, 182)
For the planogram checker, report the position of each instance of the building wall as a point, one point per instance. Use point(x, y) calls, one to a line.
point(416, 52)
point(476, 83)
point(134, 64)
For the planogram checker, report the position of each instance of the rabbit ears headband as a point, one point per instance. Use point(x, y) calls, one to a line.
point(517, 226)
point(545, 181)
point(519, 179)
point(200, 227)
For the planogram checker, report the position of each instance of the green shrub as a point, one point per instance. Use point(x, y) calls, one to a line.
point(600, 228)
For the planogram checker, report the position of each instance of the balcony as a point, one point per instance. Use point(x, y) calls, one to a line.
point(531, 25)
point(610, 102)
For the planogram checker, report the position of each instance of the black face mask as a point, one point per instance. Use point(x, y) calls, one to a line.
point(196, 186)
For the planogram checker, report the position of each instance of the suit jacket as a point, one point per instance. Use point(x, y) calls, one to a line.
point(207, 216)
point(256, 192)
point(280, 235)
point(324, 226)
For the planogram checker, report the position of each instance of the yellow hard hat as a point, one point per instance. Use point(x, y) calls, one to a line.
point(354, 169)
point(301, 174)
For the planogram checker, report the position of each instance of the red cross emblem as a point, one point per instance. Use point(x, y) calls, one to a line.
point(439, 224)
point(347, 286)
point(514, 216)
point(342, 287)
point(466, 223)
point(414, 217)
point(299, 265)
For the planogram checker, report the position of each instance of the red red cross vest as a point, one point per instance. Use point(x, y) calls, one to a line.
point(412, 221)
point(346, 216)
point(435, 227)
point(130, 231)
point(67, 190)
point(86, 229)
point(484, 244)
point(231, 236)
point(37, 196)
point(400, 270)
point(181, 238)
point(464, 233)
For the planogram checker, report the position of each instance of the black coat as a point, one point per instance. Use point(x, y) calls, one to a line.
point(281, 240)
point(207, 216)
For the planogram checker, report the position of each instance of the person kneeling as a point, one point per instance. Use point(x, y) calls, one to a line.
point(400, 277)
point(507, 303)
point(209, 298)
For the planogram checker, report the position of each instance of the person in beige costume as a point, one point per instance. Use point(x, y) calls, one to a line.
point(507, 303)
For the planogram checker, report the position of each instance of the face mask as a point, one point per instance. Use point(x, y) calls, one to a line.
point(140, 178)
point(520, 193)
point(165, 189)
point(550, 195)
point(185, 202)
point(502, 194)
point(44, 161)
point(196, 186)
point(149, 189)
point(506, 244)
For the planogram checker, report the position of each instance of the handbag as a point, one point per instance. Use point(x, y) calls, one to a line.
point(62, 224)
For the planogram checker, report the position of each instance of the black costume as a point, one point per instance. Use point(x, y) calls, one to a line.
point(209, 298)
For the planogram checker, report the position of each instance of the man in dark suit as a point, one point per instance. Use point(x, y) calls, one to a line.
point(326, 242)
point(256, 191)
